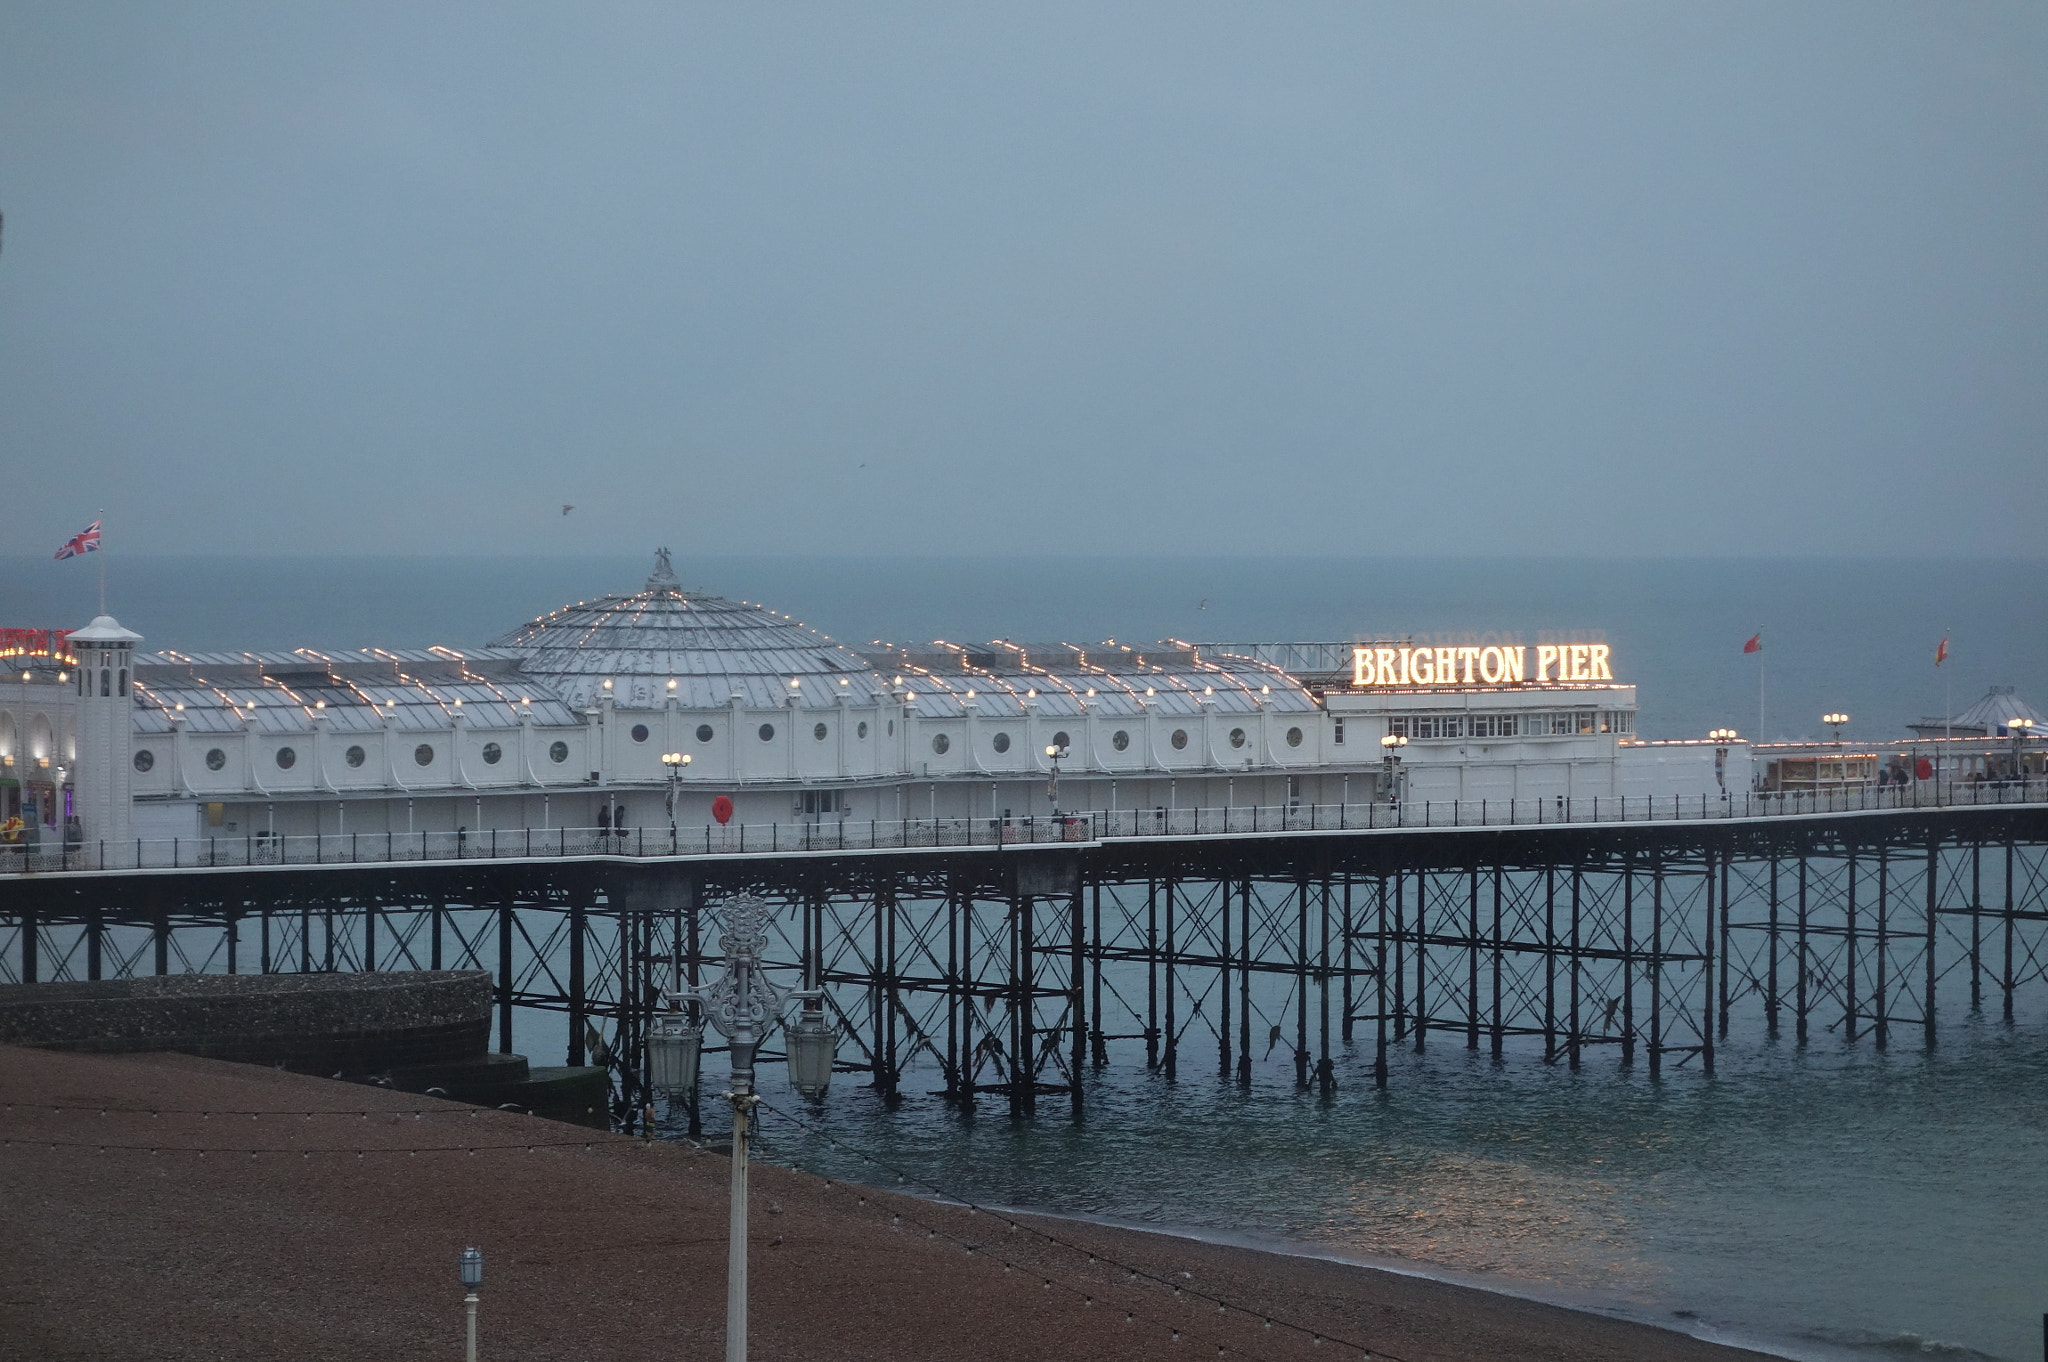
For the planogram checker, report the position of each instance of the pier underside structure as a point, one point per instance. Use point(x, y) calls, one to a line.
point(999, 977)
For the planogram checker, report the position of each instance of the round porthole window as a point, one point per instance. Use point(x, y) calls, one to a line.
point(861, 729)
point(215, 759)
point(492, 752)
point(819, 732)
point(1179, 739)
point(703, 732)
point(767, 732)
point(144, 759)
point(1001, 742)
point(355, 756)
point(1059, 740)
point(639, 732)
point(558, 753)
point(1120, 740)
point(286, 758)
point(1294, 737)
point(423, 755)
point(1237, 737)
point(940, 742)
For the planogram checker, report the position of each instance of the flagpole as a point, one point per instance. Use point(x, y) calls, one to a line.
point(103, 560)
point(1760, 689)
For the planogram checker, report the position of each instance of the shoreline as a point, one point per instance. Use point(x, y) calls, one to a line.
point(323, 1219)
point(1580, 1302)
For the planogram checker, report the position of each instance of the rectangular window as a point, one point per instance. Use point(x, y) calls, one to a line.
point(1338, 735)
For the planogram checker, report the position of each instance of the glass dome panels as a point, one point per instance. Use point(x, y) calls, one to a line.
point(712, 648)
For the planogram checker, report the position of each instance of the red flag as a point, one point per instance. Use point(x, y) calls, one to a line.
point(1941, 653)
point(1755, 644)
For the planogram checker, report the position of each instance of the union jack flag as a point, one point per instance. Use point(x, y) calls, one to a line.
point(86, 540)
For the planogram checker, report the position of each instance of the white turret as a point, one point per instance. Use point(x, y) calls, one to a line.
point(106, 730)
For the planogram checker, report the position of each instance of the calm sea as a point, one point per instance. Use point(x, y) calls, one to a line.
point(1822, 1203)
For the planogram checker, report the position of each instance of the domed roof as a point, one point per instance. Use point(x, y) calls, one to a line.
point(710, 647)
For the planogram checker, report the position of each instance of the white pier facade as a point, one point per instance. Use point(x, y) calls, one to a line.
point(666, 706)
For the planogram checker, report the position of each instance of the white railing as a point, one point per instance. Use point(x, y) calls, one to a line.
point(748, 839)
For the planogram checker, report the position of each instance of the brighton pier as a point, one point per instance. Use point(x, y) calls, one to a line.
point(1006, 867)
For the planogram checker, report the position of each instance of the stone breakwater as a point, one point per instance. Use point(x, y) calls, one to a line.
point(318, 1023)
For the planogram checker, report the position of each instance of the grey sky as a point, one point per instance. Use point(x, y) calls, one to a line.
point(1420, 278)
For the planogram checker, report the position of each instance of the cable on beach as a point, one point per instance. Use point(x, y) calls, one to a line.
point(90, 1109)
point(305, 1150)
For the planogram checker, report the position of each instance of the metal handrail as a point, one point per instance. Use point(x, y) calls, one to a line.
point(848, 835)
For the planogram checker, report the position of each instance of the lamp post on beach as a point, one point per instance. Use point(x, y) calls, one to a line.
point(745, 1008)
point(472, 1263)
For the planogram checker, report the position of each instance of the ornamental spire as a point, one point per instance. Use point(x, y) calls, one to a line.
point(663, 578)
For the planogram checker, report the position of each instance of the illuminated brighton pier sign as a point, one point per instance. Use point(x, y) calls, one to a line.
point(1493, 665)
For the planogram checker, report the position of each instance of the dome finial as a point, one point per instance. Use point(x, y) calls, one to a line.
point(663, 578)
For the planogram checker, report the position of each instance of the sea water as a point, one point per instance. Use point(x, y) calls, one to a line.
point(1826, 1202)
point(1823, 1203)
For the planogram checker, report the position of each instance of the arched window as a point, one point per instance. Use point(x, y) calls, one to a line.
point(124, 682)
point(106, 682)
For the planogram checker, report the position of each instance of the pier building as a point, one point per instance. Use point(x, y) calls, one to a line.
point(662, 705)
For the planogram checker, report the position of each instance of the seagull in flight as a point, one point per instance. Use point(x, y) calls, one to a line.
point(567, 509)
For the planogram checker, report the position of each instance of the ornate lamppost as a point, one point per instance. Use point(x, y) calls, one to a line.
point(1052, 785)
point(1836, 722)
point(1390, 765)
point(2019, 727)
point(673, 763)
point(745, 1008)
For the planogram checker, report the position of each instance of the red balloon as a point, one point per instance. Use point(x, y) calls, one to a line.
point(1924, 769)
point(721, 809)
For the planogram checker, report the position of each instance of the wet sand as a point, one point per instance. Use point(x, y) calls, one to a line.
point(338, 1237)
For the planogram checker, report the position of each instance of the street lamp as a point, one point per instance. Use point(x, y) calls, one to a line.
point(1721, 735)
point(1052, 785)
point(1835, 721)
point(472, 1261)
point(744, 1007)
point(1390, 764)
point(674, 762)
point(2019, 727)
